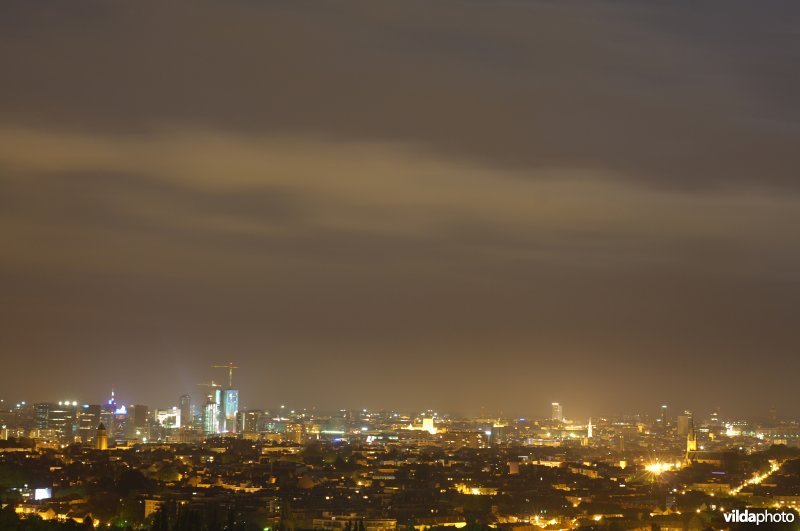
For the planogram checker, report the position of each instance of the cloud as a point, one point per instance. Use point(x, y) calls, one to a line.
point(670, 95)
point(251, 188)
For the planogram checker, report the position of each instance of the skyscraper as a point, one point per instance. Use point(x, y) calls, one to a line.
point(185, 405)
point(63, 418)
point(664, 418)
point(229, 402)
point(684, 421)
point(107, 413)
point(714, 419)
point(229, 410)
point(211, 414)
point(88, 420)
point(42, 414)
point(249, 420)
point(558, 412)
point(140, 422)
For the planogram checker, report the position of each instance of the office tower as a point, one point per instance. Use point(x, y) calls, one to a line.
point(88, 419)
point(139, 422)
point(499, 434)
point(107, 413)
point(558, 412)
point(185, 406)
point(211, 415)
point(684, 422)
point(589, 430)
point(101, 442)
point(219, 410)
point(122, 419)
point(229, 410)
point(250, 420)
point(197, 417)
point(228, 402)
point(42, 414)
point(62, 419)
point(664, 418)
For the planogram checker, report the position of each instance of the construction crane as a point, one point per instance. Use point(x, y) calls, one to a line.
point(212, 385)
point(230, 366)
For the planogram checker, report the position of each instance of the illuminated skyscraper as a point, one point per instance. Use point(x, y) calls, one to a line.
point(121, 422)
point(43, 414)
point(107, 413)
point(229, 410)
point(229, 403)
point(140, 422)
point(499, 434)
point(88, 420)
point(211, 409)
point(211, 414)
point(250, 420)
point(63, 419)
point(558, 412)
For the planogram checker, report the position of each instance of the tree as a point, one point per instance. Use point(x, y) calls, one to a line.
point(169, 473)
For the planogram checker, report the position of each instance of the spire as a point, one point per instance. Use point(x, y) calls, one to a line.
point(691, 440)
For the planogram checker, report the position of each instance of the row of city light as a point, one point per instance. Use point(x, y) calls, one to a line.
point(758, 478)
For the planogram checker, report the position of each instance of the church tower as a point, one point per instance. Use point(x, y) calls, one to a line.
point(691, 440)
point(102, 438)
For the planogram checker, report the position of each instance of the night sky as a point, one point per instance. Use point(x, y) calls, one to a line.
point(450, 204)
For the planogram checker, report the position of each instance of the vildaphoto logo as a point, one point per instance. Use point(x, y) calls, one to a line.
point(758, 517)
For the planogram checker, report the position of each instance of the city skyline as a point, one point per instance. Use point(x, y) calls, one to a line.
point(461, 204)
point(656, 411)
point(207, 414)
